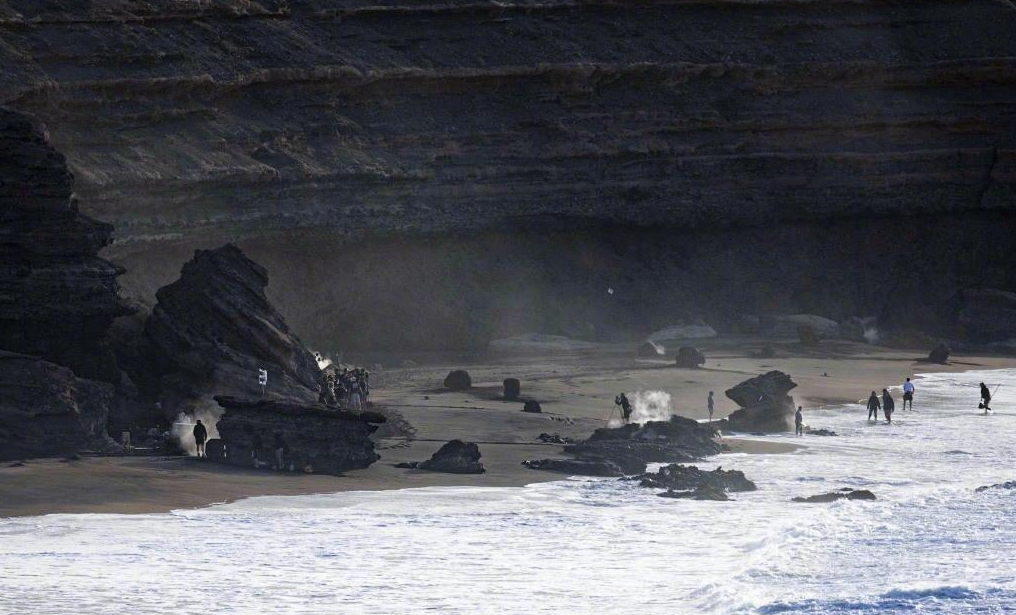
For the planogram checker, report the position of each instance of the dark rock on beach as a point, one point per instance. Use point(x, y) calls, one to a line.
point(764, 404)
point(214, 328)
point(576, 467)
point(843, 494)
point(45, 410)
point(317, 439)
point(554, 439)
point(532, 406)
point(512, 388)
point(689, 357)
point(632, 446)
point(454, 457)
point(458, 380)
point(649, 350)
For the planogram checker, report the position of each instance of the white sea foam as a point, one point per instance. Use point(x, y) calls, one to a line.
point(928, 544)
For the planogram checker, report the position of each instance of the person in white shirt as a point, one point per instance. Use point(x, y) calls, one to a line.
point(908, 394)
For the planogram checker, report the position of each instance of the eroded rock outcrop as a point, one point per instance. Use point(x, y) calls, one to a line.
point(682, 481)
point(454, 457)
point(845, 493)
point(45, 410)
point(764, 404)
point(630, 447)
point(317, 439)
point(213, 329)
point(57, 297)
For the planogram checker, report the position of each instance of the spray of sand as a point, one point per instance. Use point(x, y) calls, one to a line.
point(183, 427)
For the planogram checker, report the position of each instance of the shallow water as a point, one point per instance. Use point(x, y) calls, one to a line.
point(929, 544)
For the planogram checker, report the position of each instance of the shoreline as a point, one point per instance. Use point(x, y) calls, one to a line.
point(579, 386)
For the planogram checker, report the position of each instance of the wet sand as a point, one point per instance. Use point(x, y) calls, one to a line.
point(576, 388)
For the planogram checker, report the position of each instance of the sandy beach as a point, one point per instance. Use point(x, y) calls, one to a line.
point(576, 390)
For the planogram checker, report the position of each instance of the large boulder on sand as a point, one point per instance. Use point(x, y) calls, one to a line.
point(213, 329)
point(988, 314)
point(688, 357)
point(940, 354)
point(576, 467)
point(532, 406)
point(454, 457)
point(458, 380)
point(512, 388)
point(317, 438)
point(45, 410)
point(764, 404)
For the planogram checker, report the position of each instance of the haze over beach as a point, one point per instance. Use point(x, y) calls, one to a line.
point(657, 307)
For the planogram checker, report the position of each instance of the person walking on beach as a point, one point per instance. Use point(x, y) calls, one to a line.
point(873, 406)
point(799, 422)
point(622, 400)
point(200, 435)
point(888, 405)
point(908, 394)
point(280, 451)
point(709, 402)
point(985, 398)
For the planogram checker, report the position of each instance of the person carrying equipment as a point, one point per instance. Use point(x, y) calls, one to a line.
point(873, 406)
point(985, 399)
point(888, 405)
point(622, 400)
point(908, 394)
point(200, 435)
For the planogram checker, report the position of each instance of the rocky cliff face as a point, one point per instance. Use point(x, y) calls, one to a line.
point(46, 410)
point(320, 135)
point(57, 297)
point(213, 329)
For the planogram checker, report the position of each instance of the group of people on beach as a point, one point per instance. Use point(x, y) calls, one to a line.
point(887, 404)
point(348, 388)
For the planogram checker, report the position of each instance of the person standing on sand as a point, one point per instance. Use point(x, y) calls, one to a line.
point(799, 422)
point(873, 406)
point(908, 394)
point(200, 435)
point(888, 405)
point(709, 402)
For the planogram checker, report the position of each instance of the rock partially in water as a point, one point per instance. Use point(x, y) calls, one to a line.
point(454, 457)
point(316, 438)
point(940, 354)
point(576, 467)
point(45, 410)
point(1006, 485)
point(764, 404)
point(632, 446)
point(689, 357)
point(214, 328)
point(705, 492)
point(458, 380)
point(512, 388)
point(843, 494)
point(676, 477)
point(554, 439)
point(819, 432)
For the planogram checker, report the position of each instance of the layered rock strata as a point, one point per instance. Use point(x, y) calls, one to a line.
point(764, 404)
point(316, 439)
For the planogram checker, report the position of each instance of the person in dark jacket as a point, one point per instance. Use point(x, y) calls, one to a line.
point(622, 400)
point(799, 422)
point(200, 436)
point(985, 398)
point(873, 406)
point(888, 405)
